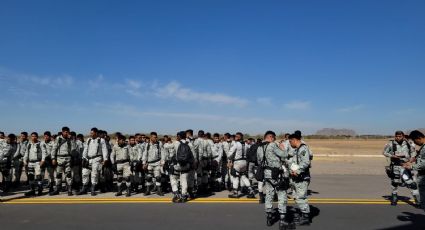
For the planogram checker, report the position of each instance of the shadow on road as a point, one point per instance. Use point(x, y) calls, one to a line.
point(417, 221)
point(402, 199)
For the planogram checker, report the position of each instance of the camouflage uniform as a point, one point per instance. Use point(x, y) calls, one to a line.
point(95, 153)
point(135, 161)
point(420, 167)
point(399, 175)
point(179, 173)
point(6, 153)
point(18, 163)
point(239, 171)
point(203, 158)
point(47, 159)
point(153, 156)
point(216, 165)
point(32, 159)
point(62, 152)
point(299, 162)
point(227, 179)
point(121, 157)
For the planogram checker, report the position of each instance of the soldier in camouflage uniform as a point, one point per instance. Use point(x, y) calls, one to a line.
point(7, 149)
point(238, 164)
point(216, 163)
point(61, 158)
point(299, 168)
point(227, 179)
point(94, 155)
point(32, 159)
point(275, 175)
point(153, 159)
point(419, 164)
point(46, 161)
point(399, 151)
point(202, 159)
point(179, 171)
point(192, 173)
point(135, 163)
point(18, 163)
point(120, 158)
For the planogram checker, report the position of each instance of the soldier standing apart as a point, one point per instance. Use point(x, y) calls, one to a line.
point(94, 155)
point(152, 159)
point(18, 163)
point(6, 153)
point(238, 165)
point(299, 167)
point(399, 151)
point(419, 165)
point(32, 159)
point(275, 175)
point(61, 158)
point(46, 161)
point(120, 158)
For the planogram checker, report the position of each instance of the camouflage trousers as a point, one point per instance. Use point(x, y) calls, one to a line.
point(421, 185)
point(270, 189)
point(300, 190)
point(124, 173)
point(153, 174)
point(63, 167)
point(34, 174)
point(92, 173)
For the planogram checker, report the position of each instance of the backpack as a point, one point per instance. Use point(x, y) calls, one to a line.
point(184, 154)
point(252, 153)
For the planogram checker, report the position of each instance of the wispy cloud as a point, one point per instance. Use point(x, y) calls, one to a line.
point(350, 109)
point(298, 105)
point(265, 101)
point(176, 91)
point(60, 81)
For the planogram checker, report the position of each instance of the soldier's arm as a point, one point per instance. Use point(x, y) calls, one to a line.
point(304, 163)
point(104, 149)
point(145, 156)
point(55, 149)
point(26, 156)
point(17, 153)
point(113, 155)
point(163, 153)
point(220, 152)
point(260, 155)
point(43, 152)
point(388, 150)
point(282, 154)
point(209, 151)
point(86, 150)
point(139, 153)
point(232, 152)
point(420, 162)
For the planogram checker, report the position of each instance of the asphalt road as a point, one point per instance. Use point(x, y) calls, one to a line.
point(211, 216)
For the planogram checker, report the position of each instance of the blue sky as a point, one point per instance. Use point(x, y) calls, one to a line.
point(217, 65)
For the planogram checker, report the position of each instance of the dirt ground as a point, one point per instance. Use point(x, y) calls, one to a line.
point(351, 157)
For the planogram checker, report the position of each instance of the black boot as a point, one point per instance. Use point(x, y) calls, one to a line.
point(269, 220)
point(305, 219)
point(6, 187)
point(283, 224)
point(159, 191)
point(147, 191)
point(119, 192)
point(176, 198)
point(40, 189)
point(234, 194)
point(394, 199)
point(136, 188)
point(191, 194)
point(56, 191)
point(251, 193)
point(83, 190)
point(262, 198)
point(128, 191)
point(70, 190)
point(93, 190)
point(51, 187)
point(31, 192)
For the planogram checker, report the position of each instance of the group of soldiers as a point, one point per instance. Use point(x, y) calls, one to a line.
point(188, 167)
point(406, 165)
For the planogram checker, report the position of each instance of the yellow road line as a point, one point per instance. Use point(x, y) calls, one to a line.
point(168, 200)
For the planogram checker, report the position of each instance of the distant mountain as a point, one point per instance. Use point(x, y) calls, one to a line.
point(336, 132)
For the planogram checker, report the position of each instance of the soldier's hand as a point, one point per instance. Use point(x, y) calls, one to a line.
point(41, 163)
point(145, 166)
point(395, 157)
point(294, 174)
point(54, 162)
point(282, 146)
